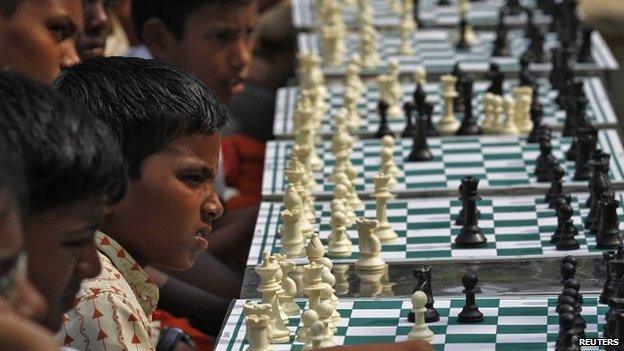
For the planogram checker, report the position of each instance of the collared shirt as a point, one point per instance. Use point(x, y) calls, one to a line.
point(113, 310)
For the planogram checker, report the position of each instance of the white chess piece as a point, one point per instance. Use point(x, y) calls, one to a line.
point(292, 239)
point(387, 164)
point(464, 9)
point(269, 287)
point(258, 324)
point(499, 113)
point(420, 330)
point(307, 318)
point(406, 29)
point(342, 279)
point(420, 75)
point(384, 230)
point(522, 109)
point(325, 310)
point(448, 124)
point(388, 142)
point(370, 248)
point(341, 194)
point(487, 125)
point(339, 244)
point(509, 128)
point(320, 335)
point(368, 47)
point(289, 286)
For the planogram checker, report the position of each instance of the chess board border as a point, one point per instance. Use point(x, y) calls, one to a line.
point(517, 227)
point(287, 97)
point(304, 18)
point(275, 163)
point(603, 57)
point(511, 323)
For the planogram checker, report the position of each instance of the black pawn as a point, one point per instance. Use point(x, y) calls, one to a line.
point(470, 234)
point(568, 333)
point(383, 130)
point(568, 271)
point(545, 161)
point(420, 149)
point(556, 185)
point(416, 12)
point(571, 260)
point(537, 115)
point(560, 200)
point(462, 44)
point(410, 129)
point(501, 48)
point(567, 240)
point(470, 313)
point(469, 124)
point(585, 53)
point(423, 283)
point(609, 233)
point(497, 79)
point(607, 256)
point(586, 139)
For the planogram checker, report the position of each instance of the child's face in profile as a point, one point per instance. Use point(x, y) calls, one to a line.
point(92, 41)
point(217, 47)
point(16, 292)
point(61, 250)
point(167, 213)
point(38, 39)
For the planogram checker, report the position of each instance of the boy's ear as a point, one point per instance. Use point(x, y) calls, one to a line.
point(157, 38)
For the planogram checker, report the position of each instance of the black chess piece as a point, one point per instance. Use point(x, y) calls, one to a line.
point(470, 313)
point(458, 102)
point(416, 13)
point(536, 47)
point(560, 200)
point(423, 283)
point(470, 234)
point(383, 130)
point(585, 53)
point(556, 185)
point(594, 227)
point(537, 115)
point(444, 2)
point(431, 130)
point(568, 333)
point(567, 240)
point(469, 124)
point(599, 184)
point(497, 79)
point(410, 129)
point(586, 144)
point(529, 27)
point(569, 259)
point(513, 7)
point(420, 98)
point(462, 43)
point(526, 78)
point(420, 148)
point(615, 323)
point(607, 257)
point(500, 46)
point(609, 233)
point(545, 161)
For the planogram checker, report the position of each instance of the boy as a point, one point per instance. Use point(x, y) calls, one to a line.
point(37, 37)
point(73, 170)
point(167, 124)
point(97, 25)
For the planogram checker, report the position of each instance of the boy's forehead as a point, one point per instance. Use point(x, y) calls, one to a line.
point(222, 14)
point(68, 9)
point(197, 146)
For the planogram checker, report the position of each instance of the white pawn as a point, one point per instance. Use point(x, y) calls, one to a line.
point(368, 47)
point(420, 330)
point(308, 317)
point(499, 115)
point(388, 142)
point(341, 193)
point(406, 28)
point(487, 125)
point(320, 336)
point(448, 124)
point(325, 310)
point(510, 125)
point(387, 164)
point(339, 244)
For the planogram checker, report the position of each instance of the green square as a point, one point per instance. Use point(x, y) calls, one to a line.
point(428, 211)
point(515, 223)
point(518, 237)
point(509, 182)
point(521, 329)
point(425, 225)
point(373, 339)
point(426, 185)
point(523, 311)
point(495, 157)
point(512, 209)
point(520, 251)
point(521, 346)
point(428, 240)
point(373, 322)
point(459, 303)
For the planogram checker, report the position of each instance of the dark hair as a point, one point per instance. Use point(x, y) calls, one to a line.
point(172, 13)
point(7, 7)
point(68, 154)
point(11, 174)
point(146, 103)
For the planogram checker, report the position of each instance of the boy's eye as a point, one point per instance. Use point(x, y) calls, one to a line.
point(59, 32)
point(196, 178)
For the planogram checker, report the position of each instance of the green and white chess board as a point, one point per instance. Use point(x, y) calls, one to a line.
point(435, 51)
point(515, 323)
point(482, 14)
point(500, 162)
point(516, 227)
point(599, 112)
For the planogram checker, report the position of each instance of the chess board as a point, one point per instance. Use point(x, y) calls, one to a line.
point(516, 227)
point(501, 163)
point(435, 51)
point(599, 113)
point(482, 14)
point(514, 323)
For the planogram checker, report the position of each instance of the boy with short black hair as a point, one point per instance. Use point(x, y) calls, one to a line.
point(37, 38)
point(167, 124)
point(73, 170)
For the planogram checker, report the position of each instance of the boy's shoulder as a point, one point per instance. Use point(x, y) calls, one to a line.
point(109, 281)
